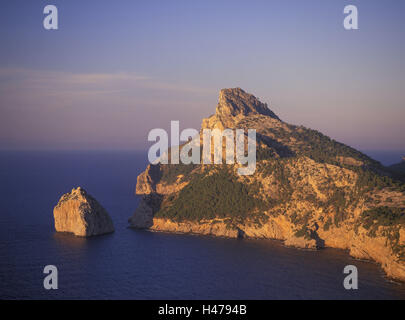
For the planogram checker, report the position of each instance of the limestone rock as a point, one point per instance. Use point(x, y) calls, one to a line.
point(304, 181)
point(143, 216)
point(146, 181)
point(301, 243)
point(233, 105)
point(79, 213)
point(208, 227)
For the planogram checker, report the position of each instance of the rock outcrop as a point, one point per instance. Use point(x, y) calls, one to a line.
point(79, 213)
point(143, 216)
point(308, 190)
point(234, 105)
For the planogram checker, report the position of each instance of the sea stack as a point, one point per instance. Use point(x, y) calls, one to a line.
point(79, 213)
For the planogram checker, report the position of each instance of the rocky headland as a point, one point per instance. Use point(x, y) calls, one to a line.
point(308, 190)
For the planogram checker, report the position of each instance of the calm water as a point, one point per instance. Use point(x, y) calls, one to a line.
point(133, 264)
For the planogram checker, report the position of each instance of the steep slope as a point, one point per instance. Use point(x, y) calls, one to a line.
point(307, 190)
point(398, 169)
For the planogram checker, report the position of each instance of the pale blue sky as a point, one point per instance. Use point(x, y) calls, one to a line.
point(116, 69)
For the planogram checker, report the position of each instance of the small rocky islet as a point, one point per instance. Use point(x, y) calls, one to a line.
point(79, 213)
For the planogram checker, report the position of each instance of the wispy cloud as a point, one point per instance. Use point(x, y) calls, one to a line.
point(59, 82)
point(92, 110)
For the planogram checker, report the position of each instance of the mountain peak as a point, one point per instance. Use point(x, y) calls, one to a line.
point(235, 101)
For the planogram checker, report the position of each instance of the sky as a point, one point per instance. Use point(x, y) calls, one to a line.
point(114, 70)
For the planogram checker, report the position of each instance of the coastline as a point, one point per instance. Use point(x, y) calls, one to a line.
point(357, 247)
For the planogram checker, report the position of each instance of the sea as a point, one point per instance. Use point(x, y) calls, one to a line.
point(140, 264)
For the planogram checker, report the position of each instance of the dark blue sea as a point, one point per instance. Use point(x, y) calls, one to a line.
point(131, 264)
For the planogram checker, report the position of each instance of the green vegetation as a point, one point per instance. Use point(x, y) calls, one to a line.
point(218, 195)
point(303, 233)
point(321, 148)
point(279, 170)
point(389, 218)
point(368, 181)
point(338, 203)
point(398, 170)
point(265, 153)
point(382, 216)
point(399, 167)
point(327, 224)
point(170, 172)
point(300, 219)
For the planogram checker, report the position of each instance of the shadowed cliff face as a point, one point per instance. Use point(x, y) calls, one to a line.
point(308, 190)
point(399, 169)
